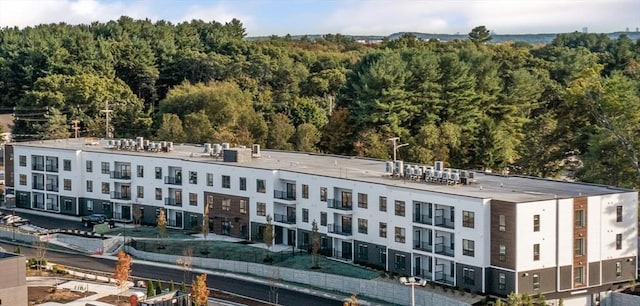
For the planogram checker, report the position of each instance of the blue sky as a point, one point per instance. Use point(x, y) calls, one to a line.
point(375, 17)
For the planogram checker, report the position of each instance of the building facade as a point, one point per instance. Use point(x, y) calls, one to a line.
point(482, 232)
point(13, 279)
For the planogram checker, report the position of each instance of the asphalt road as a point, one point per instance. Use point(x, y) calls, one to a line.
point(48, 222)
point(245, 288)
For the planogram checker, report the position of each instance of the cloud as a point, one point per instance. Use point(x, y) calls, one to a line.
point(219, 12)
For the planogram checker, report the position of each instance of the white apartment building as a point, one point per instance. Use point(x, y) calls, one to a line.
point(488, 233)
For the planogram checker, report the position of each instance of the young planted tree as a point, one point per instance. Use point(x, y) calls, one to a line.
point(123, 270)
point(267, 236)
point(41, 252)
point(199, 290)
point(158, 287)
point(137, 217)
point(205, 221)
point(186, 261)
point(353, 301)
point(161, 220)
point(150, 289)
point(315, 245)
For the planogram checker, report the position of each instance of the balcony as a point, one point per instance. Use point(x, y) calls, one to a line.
point(173, 180)
point(288, 219)
point(442, 249)
point(337, 204)
point(120, 195)
point(52, 168)
point(37, 167)
point(444, 222)
point(422, 246)
point(284, 195)
point(120, 175)
point(38, 186)
point(342, 255)
point(424, 219)
point(441, 277)
point(423, 273)
point(344, 230)
point(52, 187)
point(172, 202)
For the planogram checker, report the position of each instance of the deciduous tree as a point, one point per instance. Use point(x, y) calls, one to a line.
point(123, 270)
point(199, 290)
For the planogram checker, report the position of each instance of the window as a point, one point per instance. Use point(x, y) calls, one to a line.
point(140, 192)
point(23, 179)
point(502, 252)
point(140, 171)
point(536, 223)
point(226, 181)
point(578, 275)
point(305, 191)
point(536, 281)
point(89, 205)
point(66, 165)
point(618, 241)
point(193, 199)
point(468, 247)
point(305, 215)
point(243, 183)
point(67, 184)
point(400, 262)
point(382, 256)
point(226, 204)
point(323, 218)
point(382, 203)
point(89, 186)
point(502, 281)
point(89, 166)
point(468, 277)
point(468, 219)
point(210, 179)
point(363, 252)
point(579, 216)
point(363, 226)
point(158, 193)
point(323, 194)
point(243, 207)
point(261, 186)
point(193, 177)
point(23, 160)
point(536, 251)
point(502, 223)
point(619, 213)
point(66, 205)
point(261, 209)
point(618, 269)
point(158, 173)
point(399, 208)
point(578, 244)
point(400, 234)
point(362, 200)
point(383, 230)
point(104, 167)
point(105, 188)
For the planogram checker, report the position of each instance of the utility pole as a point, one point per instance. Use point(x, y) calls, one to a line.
point(394, 140)
point(75, 127)
point(106, 110)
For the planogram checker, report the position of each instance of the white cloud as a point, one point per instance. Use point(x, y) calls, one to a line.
point(216, 12)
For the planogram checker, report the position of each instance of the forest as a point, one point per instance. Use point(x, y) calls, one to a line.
point(569, 109)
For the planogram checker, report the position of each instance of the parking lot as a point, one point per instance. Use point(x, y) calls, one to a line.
point(47, 221)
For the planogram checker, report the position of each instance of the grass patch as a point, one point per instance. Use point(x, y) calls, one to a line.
point(150, 232)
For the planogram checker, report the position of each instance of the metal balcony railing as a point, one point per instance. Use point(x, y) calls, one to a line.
point(120, 195)
point(442, 249)
point(172, 201)
point(338, 204)
point(345, 230)
point(342, 255)
point(38, 186)
point(283, 195)
point(173, 180)
point(52, 187)
point(444, 278)
point(288, 219)
point(120, 175)
point(444, 222)
point(52, 168)
point(423, 273)
point(424, 219)
point(423, 245)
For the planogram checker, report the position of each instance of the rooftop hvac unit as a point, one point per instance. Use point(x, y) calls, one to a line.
point(117, 143)
point(255, 149)
point(225, 145)
point(388, 169)
point(217, 149)
point(463, 174)
point(398, 168)
point(146, 144)
point(110, 143)
point(417, 171)
point(454, 176)
point(126, 143)
point(207, 148)
point(439, 165)
point(444, 175)
point(429, 172)
point(471, 174)
point(140, 141)
point(169, 146)
point(163, 144)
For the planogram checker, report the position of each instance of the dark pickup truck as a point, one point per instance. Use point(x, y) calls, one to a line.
point(93, 219)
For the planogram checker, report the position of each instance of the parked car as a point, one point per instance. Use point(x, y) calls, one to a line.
point(20, 222)
point(93, 219)
point(8, 219)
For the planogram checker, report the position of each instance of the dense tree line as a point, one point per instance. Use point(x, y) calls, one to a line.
point(533, 109)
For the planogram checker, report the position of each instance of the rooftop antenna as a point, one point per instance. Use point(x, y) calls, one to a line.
point(75, 127)
point(396, 146)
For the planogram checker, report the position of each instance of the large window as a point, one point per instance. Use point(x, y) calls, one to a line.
point(536, 251)
point(400, 234)
point(363, 226)
point(400, 262)
point(536, 223)
point(193, 177)
point(502, 252)
point(382, 203)
point(261, 209)
point(66, 165)
point(618, 269)
point(261, 186)
point(141, 192)
point(305, 215)
point(140, 170)
point(210, 179)
point(323, 218)
point(536, 281)
point(400, 209)
point(23, 160)
point(579, 216)
point(305, 191)
point(67, 184)
point(158, 173)
point(226, 204)
point(383, 229)
point(323, 194)
point(89, 186)
point(619, 213)
point(243, 183)
point(89, 165)
point(578, 245)
point(23, 179)
point(468, 247)
point(226, 181)
point(362, 200)
point(158, 193)
point(502, 281)
point(193, 199)
point(502, 223)
point(104, 167)
point(243, 207)
point(363, 252)
point(578, 275)
point(468, 219)
point(468, 276)
point(105, 188)
point(618, 241)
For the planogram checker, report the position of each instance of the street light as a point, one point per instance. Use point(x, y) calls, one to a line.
point(396, 146)
point(413, 281)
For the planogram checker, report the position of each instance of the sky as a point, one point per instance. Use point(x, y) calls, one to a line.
point(352, 17)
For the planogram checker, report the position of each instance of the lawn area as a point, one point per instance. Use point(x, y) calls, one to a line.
point(149, 232)
point(243, 252)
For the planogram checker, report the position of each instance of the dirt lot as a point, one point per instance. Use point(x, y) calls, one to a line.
point(113, 299)
point(39, 295)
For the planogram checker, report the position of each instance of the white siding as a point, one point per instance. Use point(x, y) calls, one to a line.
point(526, 237)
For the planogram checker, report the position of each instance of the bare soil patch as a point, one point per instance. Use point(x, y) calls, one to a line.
point(39, 295)
point(114, 300)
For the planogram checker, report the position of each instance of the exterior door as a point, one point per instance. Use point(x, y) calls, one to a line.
point(126, 212)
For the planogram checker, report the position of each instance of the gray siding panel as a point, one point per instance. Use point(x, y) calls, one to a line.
point(72, 209)
point(372, 257)
point(492, 284)
point(476, 286)
point(547, 281)
point(399, 262)
point(594, 273)
point(566, 279)
point(628, 266)
point(99, 207)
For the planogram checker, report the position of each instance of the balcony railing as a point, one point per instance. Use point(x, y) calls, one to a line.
point(344, 230)
point(173, 180)
point(283, 195)
point(342, 255)
point(424, 219)
point(120, 195)
point(288, 219)
point(39, 186)
point(337, 204)
point(444, 278)
point(120, 175)
point(52, 187)
point(423, 273)
point(172, 201)
point(37, 167)
point(52, 168)
point(444, 222)
point(442, 249)
point(422, 245)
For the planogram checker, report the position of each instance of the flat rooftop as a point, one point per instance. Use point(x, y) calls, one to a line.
point(509, 188)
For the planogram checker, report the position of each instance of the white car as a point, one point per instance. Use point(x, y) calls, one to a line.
point(10, 219)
